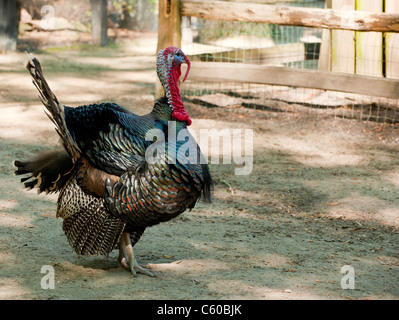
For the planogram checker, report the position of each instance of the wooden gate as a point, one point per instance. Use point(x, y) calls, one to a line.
point(330, 76)
point(365, 53)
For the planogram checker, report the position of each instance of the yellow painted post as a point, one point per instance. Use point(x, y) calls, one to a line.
point(343, 42)
point(392, 44)
point(369, 44)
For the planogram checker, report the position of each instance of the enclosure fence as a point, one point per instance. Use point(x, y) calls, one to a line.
point(324, 57)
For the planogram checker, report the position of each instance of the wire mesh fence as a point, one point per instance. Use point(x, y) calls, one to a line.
point(363, 53)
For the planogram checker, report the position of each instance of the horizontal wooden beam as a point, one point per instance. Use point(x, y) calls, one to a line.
point(291, 16)
point(247, 73)
point(282, 53)
point(264, 1)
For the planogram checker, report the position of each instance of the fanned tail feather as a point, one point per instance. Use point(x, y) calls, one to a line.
point(55, 110)
point(49, 172)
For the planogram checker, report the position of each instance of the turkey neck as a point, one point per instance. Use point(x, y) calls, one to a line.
point(172, 93)
point(162, 110)
point(163, 113)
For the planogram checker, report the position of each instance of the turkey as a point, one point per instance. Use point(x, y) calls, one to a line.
point(119, 173)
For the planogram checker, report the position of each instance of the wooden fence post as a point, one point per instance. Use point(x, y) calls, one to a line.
point(369, 44)
point(343, 42)
point(169, 30)
point(325, 47)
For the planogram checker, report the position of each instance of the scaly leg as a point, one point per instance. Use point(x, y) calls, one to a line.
point(122, 257)
point(127, 259)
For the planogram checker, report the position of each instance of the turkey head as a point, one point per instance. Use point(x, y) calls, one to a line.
point(169, 61)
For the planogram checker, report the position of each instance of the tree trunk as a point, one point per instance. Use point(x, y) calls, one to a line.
point(99, 22)
point(8, 25)
point(144, 15)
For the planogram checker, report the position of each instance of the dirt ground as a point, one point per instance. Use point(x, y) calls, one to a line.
point(323, 193)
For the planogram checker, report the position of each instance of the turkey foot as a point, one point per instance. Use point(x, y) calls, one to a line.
point(127, 259)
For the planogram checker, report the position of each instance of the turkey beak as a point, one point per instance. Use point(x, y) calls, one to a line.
point(187, 61)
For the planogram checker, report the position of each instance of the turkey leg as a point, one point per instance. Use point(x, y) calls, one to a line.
point(127, 259)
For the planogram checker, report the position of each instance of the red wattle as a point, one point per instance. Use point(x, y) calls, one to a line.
point(188, 68)
point(181, 115)
point(179, 111)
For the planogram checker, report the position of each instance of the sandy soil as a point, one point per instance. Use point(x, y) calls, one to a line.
point(323, 194)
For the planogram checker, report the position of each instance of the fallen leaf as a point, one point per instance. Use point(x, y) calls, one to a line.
point(335, 204)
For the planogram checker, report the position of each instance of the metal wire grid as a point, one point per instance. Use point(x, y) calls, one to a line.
point(292, 47)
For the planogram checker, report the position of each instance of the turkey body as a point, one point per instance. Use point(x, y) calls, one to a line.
point(120, 172)
point(113, 175)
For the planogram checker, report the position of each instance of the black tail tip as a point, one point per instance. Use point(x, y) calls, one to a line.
point(20, 167)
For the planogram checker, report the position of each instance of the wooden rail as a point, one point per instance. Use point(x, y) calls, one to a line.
point(248, 73)
point(291, 16)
